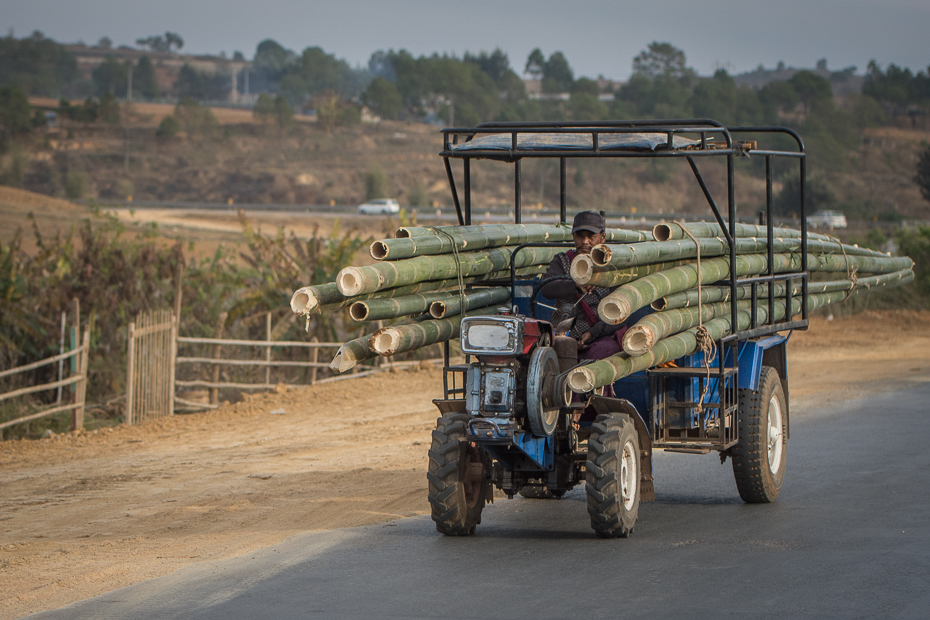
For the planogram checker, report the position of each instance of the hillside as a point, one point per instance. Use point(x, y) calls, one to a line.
point(249, 162)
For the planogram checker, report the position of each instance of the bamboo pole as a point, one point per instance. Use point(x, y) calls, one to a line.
point(712, 294)
point(667, 231)
point(604, 372)
point(326, 297)
point(268, 348)
point(556, 232)
point(620, 256)
point(475, 298)
point(401, 338)
point(172, 366)
point(584, 272)
point(628, 298)
point(385, 275)
point(377, 309)
point(441, 242)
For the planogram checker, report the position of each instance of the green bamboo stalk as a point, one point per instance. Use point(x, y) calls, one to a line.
point(654, 327)
point(326, 297)
point(721, 292)
point(604, 372)
point(390, 308)
point(352, 353)
point(475, 298)
point(584, 272)
point(628, 298)
point(354, 281)
point(401, 338)
point(557, 232)
point(513, 234)
point(667, 231)
point(621, 256)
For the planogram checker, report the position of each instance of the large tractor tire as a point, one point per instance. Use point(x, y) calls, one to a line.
point(612, 475)
point(760, 457)
point(458, 478)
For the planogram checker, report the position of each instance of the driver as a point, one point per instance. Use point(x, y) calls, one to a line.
point(596, 339)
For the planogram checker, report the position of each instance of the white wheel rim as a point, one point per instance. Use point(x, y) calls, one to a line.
point(628, 477)
point(775, 437)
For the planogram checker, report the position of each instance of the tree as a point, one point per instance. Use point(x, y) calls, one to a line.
point(557, 74)
point(194, 118)
point(264, 108)
point(283, 112)
point(159, 43)
point(168, 127)
point(105, 43)
point(108, 108)
point(110, 76)
point(496, 64)
point(812, 89)
point(923, 173)
point(144, 81)
point(534, 64)
point(15, 112)
point(661, 59)
point(39, 66)
point(383, 97)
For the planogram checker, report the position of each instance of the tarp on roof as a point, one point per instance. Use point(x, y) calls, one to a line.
point(574, 142)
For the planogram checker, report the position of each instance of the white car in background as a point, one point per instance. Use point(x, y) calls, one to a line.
point(827, 219)
point(379, 206)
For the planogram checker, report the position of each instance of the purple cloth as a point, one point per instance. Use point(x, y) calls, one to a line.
point(601, 349)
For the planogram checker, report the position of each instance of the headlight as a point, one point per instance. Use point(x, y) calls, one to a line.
point(492, 335)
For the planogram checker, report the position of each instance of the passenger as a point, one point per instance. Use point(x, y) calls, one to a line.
point(596, 339)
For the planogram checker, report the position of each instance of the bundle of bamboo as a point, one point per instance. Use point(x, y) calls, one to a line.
point(677, 288)
point(428, 277)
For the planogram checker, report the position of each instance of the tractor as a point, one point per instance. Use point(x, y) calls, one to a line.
point(508, 418)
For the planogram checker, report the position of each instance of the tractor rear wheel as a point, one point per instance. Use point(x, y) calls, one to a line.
point(458, 477)
point(760, 457)
point(612, 475)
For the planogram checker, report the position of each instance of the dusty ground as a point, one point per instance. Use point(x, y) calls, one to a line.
point(82, 514)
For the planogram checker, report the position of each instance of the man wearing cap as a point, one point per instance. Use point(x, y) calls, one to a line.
point(596, 339)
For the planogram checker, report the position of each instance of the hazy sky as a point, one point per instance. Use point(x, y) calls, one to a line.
point(598, 37)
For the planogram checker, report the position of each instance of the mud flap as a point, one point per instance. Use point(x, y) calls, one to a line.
point(448, 406)
point(604, 405)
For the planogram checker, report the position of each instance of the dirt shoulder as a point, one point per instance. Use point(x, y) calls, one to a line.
point(82, 514)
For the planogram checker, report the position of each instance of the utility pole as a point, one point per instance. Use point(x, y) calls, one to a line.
point(234, 94)
point(246, 83)
point(128, 81)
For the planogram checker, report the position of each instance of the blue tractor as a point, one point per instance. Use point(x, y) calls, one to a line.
point(508, 418)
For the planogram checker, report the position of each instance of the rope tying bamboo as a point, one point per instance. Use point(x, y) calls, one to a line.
point(704, 340)
point(458, 266)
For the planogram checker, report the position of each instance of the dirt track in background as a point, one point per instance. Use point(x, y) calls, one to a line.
point(82, 514)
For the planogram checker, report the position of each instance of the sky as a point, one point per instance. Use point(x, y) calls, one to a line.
point(598, 37)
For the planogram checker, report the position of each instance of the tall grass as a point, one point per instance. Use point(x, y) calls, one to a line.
point(115, 274)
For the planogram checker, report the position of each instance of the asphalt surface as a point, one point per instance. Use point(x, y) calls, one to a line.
point(848, 538)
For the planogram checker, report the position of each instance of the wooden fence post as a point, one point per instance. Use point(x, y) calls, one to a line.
point(130, 373)
point(268, 349)
point(218, 333)
point(314, 355)
point(172, 363)
point(82, 386)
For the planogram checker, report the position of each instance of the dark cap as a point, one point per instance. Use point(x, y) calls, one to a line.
point(591, 221)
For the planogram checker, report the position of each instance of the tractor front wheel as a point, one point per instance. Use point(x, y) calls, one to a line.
point(612, 475)
point(458, 478)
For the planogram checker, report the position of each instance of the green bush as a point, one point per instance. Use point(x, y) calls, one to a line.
point(168, 127)
point(75, 184)
point(375, 182)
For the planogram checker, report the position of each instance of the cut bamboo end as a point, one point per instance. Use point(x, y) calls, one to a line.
point(303, 301)
point(638, 340)
point(580, 381)
point(385, 342)
point(437, 309)
point(358, 311)
point(659, 304)
point(379, 250)
point(601, 254)
point(402, 233)
point(582, 269)
point(613, 311)
point(343, 360)
point(349, 281)
point(662, 232)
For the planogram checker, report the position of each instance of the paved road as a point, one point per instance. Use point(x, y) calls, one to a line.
point(848, 538)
